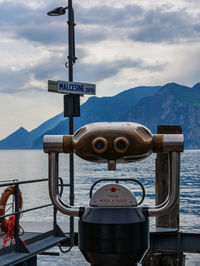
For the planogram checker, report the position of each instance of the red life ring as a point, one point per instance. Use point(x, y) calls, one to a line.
point(3, 201)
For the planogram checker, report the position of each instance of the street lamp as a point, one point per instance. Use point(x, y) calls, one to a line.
point(71, 101)
point(57, 11)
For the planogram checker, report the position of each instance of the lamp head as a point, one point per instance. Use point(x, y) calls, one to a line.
point(57, 11)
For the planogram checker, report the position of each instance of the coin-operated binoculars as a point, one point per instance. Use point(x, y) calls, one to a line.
point(113, 229)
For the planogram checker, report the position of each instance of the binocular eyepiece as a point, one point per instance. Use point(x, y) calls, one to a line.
point(100, 145)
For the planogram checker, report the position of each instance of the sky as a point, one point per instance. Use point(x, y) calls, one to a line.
point(119, 45)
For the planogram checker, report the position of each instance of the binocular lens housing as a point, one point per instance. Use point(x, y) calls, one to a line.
point(121, 144)
point(100, 145)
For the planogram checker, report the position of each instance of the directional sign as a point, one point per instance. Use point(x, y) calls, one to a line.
point(68, 87)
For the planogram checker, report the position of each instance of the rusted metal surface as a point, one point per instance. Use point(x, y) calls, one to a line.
point(163, 259)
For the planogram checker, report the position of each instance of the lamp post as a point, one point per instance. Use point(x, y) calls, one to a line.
point(72, 100)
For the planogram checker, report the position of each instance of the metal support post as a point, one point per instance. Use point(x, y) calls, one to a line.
point(71, 39)
point(16, 231)
point(54, 208)
point(170, 220)
point(71, 167)
point(20, 247)
point(72, 59)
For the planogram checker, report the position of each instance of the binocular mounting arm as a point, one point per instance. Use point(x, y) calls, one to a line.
point(53, 191)
point(173, 187)
point(152, 211)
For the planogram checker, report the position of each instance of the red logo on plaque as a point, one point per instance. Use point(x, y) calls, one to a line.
point(113, 189)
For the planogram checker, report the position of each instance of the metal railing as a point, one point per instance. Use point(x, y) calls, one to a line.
point(17, 212)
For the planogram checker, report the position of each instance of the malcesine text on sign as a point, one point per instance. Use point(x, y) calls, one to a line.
point(76, 87)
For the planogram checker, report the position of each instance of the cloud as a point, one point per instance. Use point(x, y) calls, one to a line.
point(98, 72)
point(13, 81)
point(106, 15)
point(47, 34)
point(91, 34)
point(21, 21)
point(144, 25)
point(95, 25)
point(17, 81)
point(35, 77)
point(35, 26)
point(99, 23)
point(165, 26)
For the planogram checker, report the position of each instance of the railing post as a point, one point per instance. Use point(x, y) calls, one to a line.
point(19, 245)
point(17, 215)
point(54, 208)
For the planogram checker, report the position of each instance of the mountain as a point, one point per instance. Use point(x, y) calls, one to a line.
point(23, 139)
point(49, 124)
point(95, 109)
point(20, 138)
point(171, 104)
point(105, 109)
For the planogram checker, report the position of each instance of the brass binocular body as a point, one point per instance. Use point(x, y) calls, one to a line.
point(113, 142)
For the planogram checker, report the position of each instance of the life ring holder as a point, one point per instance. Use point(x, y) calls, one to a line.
point(3, 201)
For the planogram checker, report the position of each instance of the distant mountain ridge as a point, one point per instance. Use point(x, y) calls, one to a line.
point(171, 104)
point(23, 139)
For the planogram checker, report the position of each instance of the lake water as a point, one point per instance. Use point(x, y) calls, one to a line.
point(31, 164)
